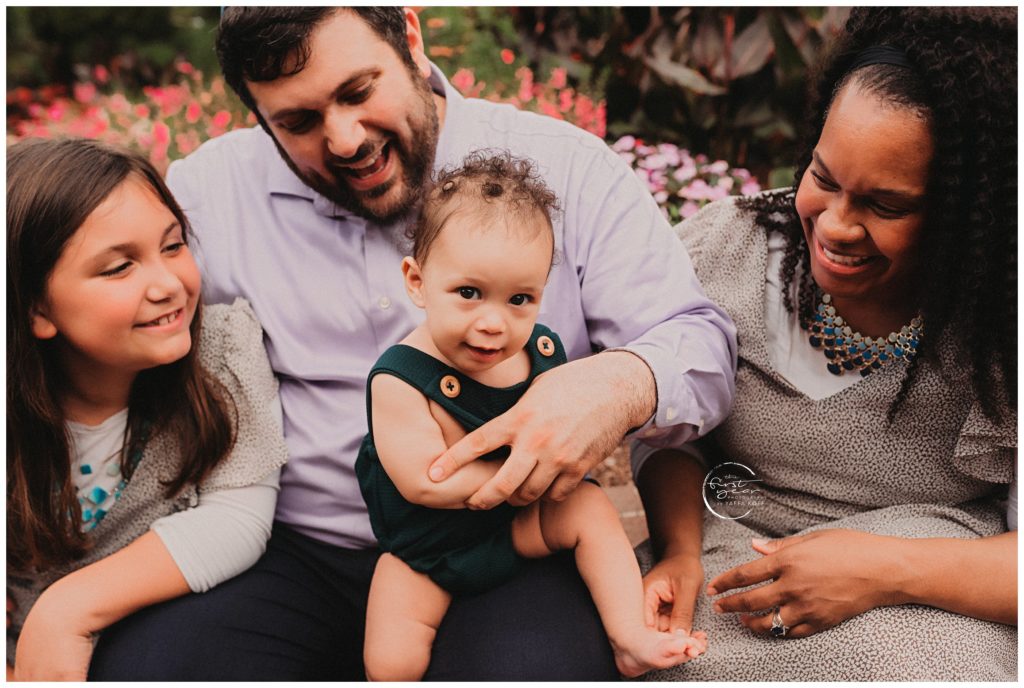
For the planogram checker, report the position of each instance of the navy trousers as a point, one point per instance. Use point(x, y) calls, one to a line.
point(298, 615)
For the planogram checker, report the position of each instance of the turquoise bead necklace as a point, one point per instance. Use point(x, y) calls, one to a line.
point(849, 351)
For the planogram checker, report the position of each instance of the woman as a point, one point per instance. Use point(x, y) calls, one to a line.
point(876, 391)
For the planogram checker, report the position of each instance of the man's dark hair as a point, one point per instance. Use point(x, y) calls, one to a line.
point(265, 43)
point(964, 82)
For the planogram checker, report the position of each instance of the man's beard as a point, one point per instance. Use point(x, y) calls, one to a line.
point(416, 158)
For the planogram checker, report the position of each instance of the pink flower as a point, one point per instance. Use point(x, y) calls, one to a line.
point(550, 110)
point(565, 101)
point(750, 188)
point(142, 111)
point(689, 208)
point(117, 103)
point(697, 190)
point(558, 78)
point(624, 144)
point(193, 112)
point(222, 119)
point(717, 193)
point(725, 183)
point(661, 196)
point(507, 56)
point(525, 75)
point(85, 93)
point(655, 162)
point(56, 111)
point(186, 142)
point(686, 172)
point(185, 67)
point(463, 80)
point(161, 134)
point(100, 74)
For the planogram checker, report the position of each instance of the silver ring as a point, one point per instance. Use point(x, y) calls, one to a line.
point(779, 629)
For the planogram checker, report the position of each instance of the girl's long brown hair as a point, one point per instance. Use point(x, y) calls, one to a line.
point(52, 187)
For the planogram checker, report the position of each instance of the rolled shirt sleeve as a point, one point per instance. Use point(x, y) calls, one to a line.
point(641, 295)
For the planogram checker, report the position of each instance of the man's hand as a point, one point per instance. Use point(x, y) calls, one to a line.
point(569, 420)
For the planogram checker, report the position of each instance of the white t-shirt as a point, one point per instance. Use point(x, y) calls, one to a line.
point(223, 535)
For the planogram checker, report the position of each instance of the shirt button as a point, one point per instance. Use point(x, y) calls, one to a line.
point(670, 413)
point(384, 302)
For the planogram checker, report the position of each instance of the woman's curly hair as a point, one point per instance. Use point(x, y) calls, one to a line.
point(495, 185)
point(965, 81)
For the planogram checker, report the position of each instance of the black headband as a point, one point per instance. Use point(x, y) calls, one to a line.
point(880, 54)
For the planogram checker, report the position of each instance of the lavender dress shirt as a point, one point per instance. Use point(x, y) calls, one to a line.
point(327, 287)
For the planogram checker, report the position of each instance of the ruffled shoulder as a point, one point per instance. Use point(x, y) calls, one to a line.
point(985, 449)
point(231, 349)
point(721, 237)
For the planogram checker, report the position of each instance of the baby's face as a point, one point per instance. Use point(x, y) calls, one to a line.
point(481, 289)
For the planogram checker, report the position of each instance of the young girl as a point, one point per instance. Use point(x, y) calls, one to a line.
point(143, 449)
point(482, 252)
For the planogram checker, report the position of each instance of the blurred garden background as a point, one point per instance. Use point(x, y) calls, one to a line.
point(703, 102)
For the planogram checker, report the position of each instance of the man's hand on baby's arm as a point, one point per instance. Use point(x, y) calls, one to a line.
point(569, 420)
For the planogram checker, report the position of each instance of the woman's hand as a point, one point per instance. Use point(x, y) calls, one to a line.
point(670, 593)
point(818, 580)
point(52, 647)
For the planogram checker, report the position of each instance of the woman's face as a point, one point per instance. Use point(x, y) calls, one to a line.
point(862, 199)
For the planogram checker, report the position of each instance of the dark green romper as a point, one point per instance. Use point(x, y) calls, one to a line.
point(463, 551)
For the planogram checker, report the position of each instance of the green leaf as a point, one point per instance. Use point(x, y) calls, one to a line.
point(675, 73)
point(751, 49)
point(781, 177)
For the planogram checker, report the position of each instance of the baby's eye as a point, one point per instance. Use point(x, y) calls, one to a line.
point(520, 299)
point(469, 292)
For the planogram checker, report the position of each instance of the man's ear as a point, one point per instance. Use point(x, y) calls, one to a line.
point(413, 280)
point(414, 36)
point(42, 326)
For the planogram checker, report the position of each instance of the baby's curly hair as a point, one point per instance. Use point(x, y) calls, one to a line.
point(964, 82)
point(493, 185)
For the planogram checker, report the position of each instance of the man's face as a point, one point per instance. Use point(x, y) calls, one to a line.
point(356, 124)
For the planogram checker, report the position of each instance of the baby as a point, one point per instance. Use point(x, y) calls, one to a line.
point(483, 248)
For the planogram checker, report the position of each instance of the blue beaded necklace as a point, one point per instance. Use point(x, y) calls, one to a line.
point(847, 350)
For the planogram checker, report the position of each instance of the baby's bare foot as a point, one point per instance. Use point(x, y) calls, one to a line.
point(645, 648)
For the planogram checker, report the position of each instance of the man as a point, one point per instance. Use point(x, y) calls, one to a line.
point(304, 217)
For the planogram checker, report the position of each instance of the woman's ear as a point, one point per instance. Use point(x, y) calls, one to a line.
point(413, 280)
point(42, 326)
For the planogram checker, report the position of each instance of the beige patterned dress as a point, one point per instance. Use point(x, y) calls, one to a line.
point(938, 471)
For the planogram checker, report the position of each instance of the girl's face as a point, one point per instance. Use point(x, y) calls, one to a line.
point(862, 200)
point(481, 289)
point(124, 290)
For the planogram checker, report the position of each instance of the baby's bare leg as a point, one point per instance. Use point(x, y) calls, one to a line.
point(588, 522)
point(402, 615)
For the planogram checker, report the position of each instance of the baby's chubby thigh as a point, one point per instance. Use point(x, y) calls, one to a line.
point(544, 527)
point(403, 613)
